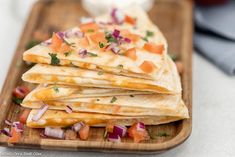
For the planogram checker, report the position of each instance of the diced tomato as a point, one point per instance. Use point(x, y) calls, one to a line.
point(147, 66)
point(65, 48)
point(15, 136)
point(56, 42)
point(137, 135)
point(24, 116)
point(84, 42)
point(133, 37)
point(131, 53)
point(89, 27)
point(98, 37)
point(84, 132)
point(109, 127)
point(154, 48)
point(124, 32)
point(130, 20)
point(116, 108)
point(20, 92)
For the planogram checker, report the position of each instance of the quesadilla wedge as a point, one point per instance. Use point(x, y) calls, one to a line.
point(54, 118)
point(136, 49)
point(55, 92)
point(169, 82)
point(154, 104)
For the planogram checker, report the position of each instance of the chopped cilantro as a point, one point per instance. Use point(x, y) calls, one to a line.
point(31, 44)
point(155, 136)
point(54, 59)
point(120, 66)
point(90, 30)
point(145, 39)
point(92, 54)
point(149, 33)
point(113, 99)
point(110, 38)
point(101, 45)
point(100, 73)
point(163, 134)
point(17, 111)
point(67, 53)
point(17, 100)
point(173, 57)
point(56, 89)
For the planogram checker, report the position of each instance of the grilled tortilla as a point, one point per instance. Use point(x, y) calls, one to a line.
point(154, 104)
point(56, 92)
point(169, 82)
point(140, 33)
point(62, 119)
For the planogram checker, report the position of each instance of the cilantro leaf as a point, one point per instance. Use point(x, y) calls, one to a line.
point(67, 54)
point(31, 44)
point(100, 73)
point(120, 66)
point(54, 59)
point(110, 38)
point(145, 39)
point(56, 89)
point(149, 33)
point(163, 134)
point(92, 54)
point(101, 45)
point(17, 100)
point(113, 99)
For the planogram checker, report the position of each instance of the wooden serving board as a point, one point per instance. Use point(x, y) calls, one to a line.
point(174, 17)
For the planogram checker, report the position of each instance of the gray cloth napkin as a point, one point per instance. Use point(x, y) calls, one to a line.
point(220, 51)
point(216, 36)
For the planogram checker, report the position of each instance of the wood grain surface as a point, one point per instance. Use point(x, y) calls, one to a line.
point(174, 18)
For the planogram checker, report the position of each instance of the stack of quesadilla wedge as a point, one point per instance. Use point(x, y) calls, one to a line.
point(111, 68)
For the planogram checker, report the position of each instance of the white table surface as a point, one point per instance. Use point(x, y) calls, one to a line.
point(213, 102)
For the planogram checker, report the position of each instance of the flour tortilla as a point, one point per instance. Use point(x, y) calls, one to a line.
point(154, 104)
point(108, 61)
point(168, 83)
point(62, 119)
point(56, 92)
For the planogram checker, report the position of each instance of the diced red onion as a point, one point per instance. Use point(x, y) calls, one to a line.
point(114, 138)
point(140, 126)
point(40, 112)
point(86, 20)
point(6, 131)
point(68, 109)
point(46, 43)
point(79, 34)
point(119, 130)
point(127, 40)
point(60, 34)
point(74, 33)
point(117, 16)
point(76, 127)
point(109, 47)
point(54, 132)
point(82, 52)
point(8, 122)
point(115, 50)
point(116, 33)
point(18, 126)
